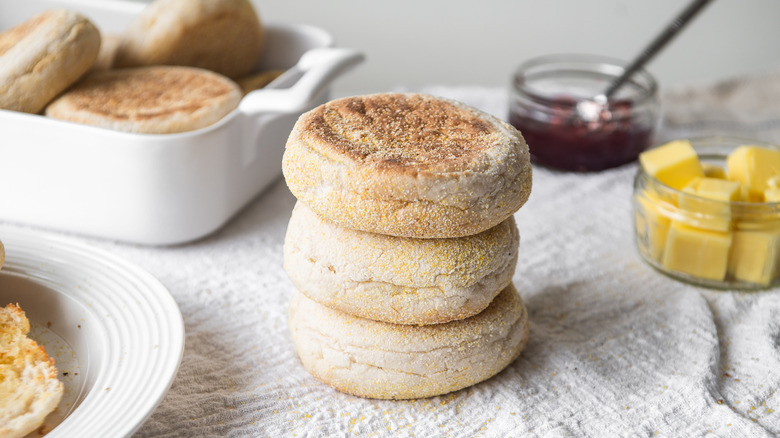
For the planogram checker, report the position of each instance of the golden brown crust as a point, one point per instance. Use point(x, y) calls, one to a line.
point(388, 361)
point(405, 132)
point(464, 172)
point(161, 99)
point(147, 93)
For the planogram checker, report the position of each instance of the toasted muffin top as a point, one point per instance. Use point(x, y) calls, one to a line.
point(398, 130)
point(159, 99)
point(148, 92)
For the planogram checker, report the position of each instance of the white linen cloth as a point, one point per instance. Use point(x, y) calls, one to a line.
point(616, 348)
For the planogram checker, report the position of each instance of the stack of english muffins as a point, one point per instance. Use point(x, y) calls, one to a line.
point(402, 245)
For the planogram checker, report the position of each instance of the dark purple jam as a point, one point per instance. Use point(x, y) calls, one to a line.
point(564, 140)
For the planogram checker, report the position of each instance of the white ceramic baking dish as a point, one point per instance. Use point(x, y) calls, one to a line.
point(159, 189)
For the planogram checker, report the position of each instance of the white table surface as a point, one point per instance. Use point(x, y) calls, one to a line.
point(616, 349)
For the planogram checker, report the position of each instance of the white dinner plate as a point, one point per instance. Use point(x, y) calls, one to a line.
point(115, 332)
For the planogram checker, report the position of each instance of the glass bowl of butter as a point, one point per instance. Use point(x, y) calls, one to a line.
point(707, 211)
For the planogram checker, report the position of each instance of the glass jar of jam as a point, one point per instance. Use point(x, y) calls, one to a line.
point(558, 104)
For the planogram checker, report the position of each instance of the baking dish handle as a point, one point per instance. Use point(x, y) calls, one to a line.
point(294, 90)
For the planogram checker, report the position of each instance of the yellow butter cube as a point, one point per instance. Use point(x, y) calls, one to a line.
point(753, 166)
point(755, 255)
point(697, 252)
point(717, 189)
point(674, 164)
point(713, 171)
point(652, 224)
point(772, 195)
point(709, 207)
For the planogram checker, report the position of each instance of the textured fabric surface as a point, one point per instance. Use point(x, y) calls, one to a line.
point(616, 349)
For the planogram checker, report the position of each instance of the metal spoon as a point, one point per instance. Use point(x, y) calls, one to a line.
point(658, 43)
point(588, 109)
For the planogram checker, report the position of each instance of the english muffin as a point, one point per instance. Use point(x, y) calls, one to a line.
point(43, 56)
point(152, 100)
point(225, 36)
point(108, 46)
point(390, 361)
point(29, 388)
point(407, 165)
point(399, 280)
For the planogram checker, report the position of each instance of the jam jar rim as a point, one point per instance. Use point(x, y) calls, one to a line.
point(648, 91)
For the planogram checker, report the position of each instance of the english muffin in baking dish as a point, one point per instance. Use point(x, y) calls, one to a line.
point(109, 42)
point(225, 36)
point(407, 165)
point(43, 56)
point(397, 279)
point(151, 100)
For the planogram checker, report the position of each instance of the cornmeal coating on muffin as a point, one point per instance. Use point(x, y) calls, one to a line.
point(399, 280)
point(392, 361)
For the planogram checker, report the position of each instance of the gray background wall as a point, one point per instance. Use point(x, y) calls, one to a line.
point(414, 43)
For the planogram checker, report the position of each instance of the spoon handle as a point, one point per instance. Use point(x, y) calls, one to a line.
point(658, 43)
